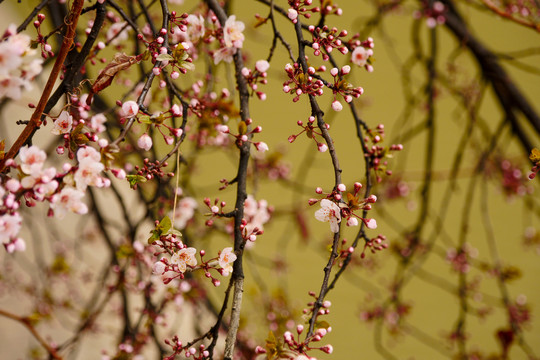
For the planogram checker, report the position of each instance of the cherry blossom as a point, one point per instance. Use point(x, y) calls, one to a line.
point(329, 212)
point(69, 199)
point(360, 55)
point(232, 32)
point(97, 123)
point(62, 124)
point(183, 258)
point(184, 212)
point(256, 213)
point(224, 54)
point(90, 167)
point(117, 33)
point(32, 159)
point(10, 224)
point(261, 146)
point(195, 29)
point(262, 66)
point(226, 259)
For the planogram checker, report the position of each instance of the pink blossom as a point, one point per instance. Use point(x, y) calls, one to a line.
point(183, 258)
point(261, 146)
point(130, 108)
point(90, 167)
point(184, 212)
point(88, 152)
point(96, 123)
point(262, 66)
point(352, 221)
point(158, 268)
point(176, 110)
point(371, 223)
point(226, 259)
point(359, 56)
point(69, 199)
point(9, 226)
point(62, 124)
point(32, 159)
point(224, 54)
point(117, 33)
point(292, 14)
point(256, 213)
point(329, 212)
point(195, 29)
point(336, 105)
point(145, 142)
point(232, 32)
point(322, 147)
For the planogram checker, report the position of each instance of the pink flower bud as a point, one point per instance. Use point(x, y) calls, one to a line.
point(292, 14)
point(262, 66)
point(352, 221)
point(261, 146)
point(145, 142)
point(371, 223)
point(334, 71)
point(336, 105)
point(322, 147)
point(342, 187)
point(130, 108)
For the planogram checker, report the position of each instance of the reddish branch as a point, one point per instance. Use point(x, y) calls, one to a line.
point(35, 121)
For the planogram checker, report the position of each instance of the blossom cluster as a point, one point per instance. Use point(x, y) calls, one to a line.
point(334, 208)
point(18, 64)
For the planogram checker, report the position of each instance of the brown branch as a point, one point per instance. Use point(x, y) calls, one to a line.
point(35, 120)
point(27, 323)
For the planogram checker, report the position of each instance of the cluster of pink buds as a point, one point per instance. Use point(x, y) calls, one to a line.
point(243, 135)
point(46, 49)
point(190, 352)
point(326, 39)
point(300, 348)
point(150, 169)
point(433, 12)
point(377, 154)
point(343, 88)
point(301, 7)
point(257, 76)
point(311, 130)
point(178, 20)
point(216, 209)
point(459, 259)
point(374, 245)
point(300, 83)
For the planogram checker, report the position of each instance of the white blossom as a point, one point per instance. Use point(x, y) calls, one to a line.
point(329, 212)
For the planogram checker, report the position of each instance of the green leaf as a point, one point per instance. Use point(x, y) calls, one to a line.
point(135, 179)
point(163, 228)
point(164, 57)
point(322, 325)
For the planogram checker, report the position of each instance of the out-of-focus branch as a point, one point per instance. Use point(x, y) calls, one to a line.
point(511, 98)
point(28, 324)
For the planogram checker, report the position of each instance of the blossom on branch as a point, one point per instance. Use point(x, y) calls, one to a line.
point(329, 212)
point(226, 259)
point(62, 124)
point(183, 258)
point(232, 32)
